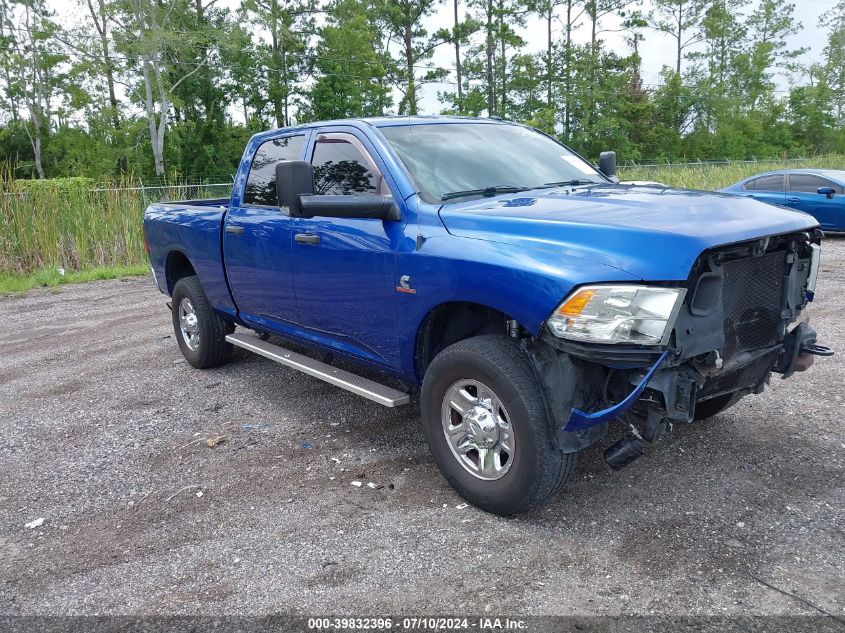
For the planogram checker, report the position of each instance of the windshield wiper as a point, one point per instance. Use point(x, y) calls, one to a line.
point(570, 183)
point(486, 192)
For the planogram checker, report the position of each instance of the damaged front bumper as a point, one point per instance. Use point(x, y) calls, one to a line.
point(731, 334)
point(578, 420)
point(681, 391)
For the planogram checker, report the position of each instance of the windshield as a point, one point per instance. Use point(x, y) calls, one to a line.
point(456, 161)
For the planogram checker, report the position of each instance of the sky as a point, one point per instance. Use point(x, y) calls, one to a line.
point(657, 50)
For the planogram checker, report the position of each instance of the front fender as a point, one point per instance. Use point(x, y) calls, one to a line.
point(525, 284)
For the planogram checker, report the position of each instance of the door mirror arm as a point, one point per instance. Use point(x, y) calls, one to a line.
point(351, 206)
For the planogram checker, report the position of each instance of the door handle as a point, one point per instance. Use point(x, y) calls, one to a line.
point(307, 238)
point(793, 199)
point(234, 229)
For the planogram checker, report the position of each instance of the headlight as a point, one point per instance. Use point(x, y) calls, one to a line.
point(643, 315)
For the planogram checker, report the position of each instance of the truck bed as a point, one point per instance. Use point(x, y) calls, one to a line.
point(193, 228)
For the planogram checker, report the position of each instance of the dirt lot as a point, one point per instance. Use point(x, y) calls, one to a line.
point(103, 429)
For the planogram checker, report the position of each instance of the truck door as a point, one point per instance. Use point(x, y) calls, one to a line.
point(257, 240)
point(803, 195)
point(344, 268)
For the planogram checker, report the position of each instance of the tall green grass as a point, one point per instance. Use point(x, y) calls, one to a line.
point(57, 224)
point(71, 223)
point(715, 176)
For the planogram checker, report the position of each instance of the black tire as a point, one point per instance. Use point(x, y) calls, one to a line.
point(712, 406)
point(538, 469)
point(211, 350)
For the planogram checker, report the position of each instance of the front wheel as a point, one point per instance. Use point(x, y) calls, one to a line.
point(201, 333)
point(485, 421)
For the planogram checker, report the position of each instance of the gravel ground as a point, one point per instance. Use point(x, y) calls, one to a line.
point(103, 435)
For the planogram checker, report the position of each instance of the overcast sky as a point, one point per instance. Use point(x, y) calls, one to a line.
point(656, 51)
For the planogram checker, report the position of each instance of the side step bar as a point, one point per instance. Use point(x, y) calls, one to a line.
point(388, 396)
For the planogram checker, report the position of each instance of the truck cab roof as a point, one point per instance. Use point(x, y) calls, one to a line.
point(388, 121)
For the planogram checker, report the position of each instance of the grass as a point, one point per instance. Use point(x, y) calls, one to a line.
point(15, 282)
point(715, 176)
point(65, 223)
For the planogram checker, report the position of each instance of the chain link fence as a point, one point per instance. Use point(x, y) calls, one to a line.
point(799, 160)
point(149, 194)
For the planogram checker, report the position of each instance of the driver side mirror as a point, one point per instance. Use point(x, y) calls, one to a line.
point(295, 190)
point(293, 179)
point(826, 191)
point(607, 165)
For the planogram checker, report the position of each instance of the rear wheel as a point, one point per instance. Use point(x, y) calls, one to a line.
point(201, 333)
point(713, 406)
point(486, 424)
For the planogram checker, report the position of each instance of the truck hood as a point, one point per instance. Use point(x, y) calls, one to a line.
point(652, 233)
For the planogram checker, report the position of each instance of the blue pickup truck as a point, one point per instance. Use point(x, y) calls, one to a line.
point(523, 295)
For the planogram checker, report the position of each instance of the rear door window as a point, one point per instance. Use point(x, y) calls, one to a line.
point(773, 182)
point(261, 183)
point(809, 183)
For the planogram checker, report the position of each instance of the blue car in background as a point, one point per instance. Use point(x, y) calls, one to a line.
point(818, 192)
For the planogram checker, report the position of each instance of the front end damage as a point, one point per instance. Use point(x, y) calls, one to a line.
point(735, 328)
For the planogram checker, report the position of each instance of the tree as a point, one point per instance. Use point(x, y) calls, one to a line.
point(834, 64)
point(546, 9)
point(290, 23)
point(458, 36)
point(243, 81)
point(37, 70)
point(768, 26)
point(10, 96)
point(403, 21)
point(147, 34)
point(596, 10)
point(567, 60)
point(349, 69)
point(97, 55)
point(681, 20)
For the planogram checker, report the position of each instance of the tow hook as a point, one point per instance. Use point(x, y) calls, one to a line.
point(800, 351)
point(807, 355)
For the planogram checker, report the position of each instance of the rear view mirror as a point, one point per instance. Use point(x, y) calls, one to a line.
point(293, 179)
point(826, 191)
point(607, 165)
point(295, 190)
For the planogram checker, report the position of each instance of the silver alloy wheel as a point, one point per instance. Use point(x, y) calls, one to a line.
point(188, 324)
point(478, 429)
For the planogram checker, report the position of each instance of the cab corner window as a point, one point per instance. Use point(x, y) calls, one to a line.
point(261, 183)
point(343, 167)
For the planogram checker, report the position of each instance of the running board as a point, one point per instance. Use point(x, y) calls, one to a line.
point(388, 396)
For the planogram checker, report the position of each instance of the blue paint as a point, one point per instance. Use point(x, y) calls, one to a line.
point(519, 253)
point(578, 420)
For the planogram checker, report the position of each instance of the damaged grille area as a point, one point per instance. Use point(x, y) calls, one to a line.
point(751, 297)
